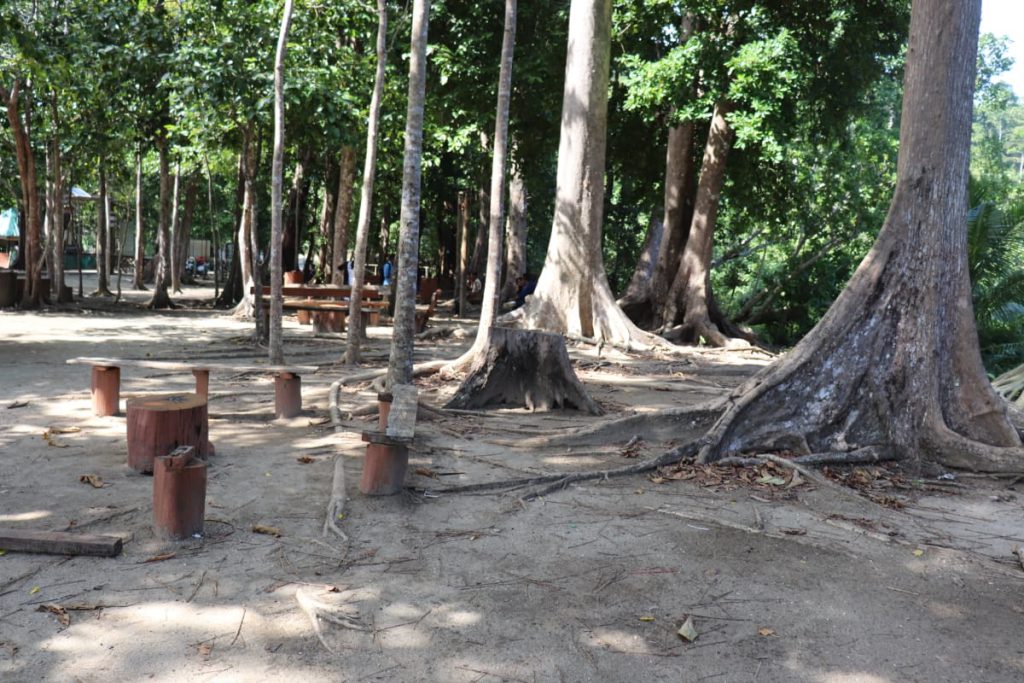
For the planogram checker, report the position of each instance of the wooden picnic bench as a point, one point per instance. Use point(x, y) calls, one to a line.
point(106, 380)
point(326, 306)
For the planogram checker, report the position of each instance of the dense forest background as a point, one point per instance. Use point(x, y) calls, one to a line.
point(815, 86)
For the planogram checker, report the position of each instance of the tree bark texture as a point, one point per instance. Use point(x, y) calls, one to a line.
point(326, 225)
point(572, 294)
point(140, 232)
point(688, 298)
point(343, 214)
point(296, 216)
point(496, 225)
point(161, 299)
point(355, 317)
point(176, 262)
point(462, 222)
point(402, 339)
point(247, 224)
point(188, 212)
point(276, 350)
point(516, 231)
point(523, 368)
point(895, 361)
point(20, 119)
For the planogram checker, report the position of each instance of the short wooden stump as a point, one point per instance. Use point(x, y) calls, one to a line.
point(160, 423)
point(179, 495)
point(106, 390)
point(287, 395)
point(385, 465)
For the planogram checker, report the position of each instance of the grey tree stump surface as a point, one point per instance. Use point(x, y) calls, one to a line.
point(523, 368)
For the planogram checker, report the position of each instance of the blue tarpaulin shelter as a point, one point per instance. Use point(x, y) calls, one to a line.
point(9, 225)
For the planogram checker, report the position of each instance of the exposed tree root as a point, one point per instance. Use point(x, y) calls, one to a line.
point(556, 482)
point(663, 423)
point(338, 615)
point(336, 505)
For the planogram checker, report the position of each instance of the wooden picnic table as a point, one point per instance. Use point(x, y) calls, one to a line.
point(106, 380)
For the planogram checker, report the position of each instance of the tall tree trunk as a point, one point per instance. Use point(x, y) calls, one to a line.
point(56, 208)
point(645, 298)
point(639, 287)
point(20, 120)
point(161, 299)
point(688, 300)
point(476, 261)
point(247, 224)
point(355, 318)
point(463, 227)
point(895, 363)
point(185, 229)
point(296, 216)
point(343, 213)
point(326, 225)
point(102, 228)
point(232, 292)
point(572, 295)
point(516, 232)
point(402, 339)
point(140, 232)
point(276, 351)
point(496, 221)
point(176, 262)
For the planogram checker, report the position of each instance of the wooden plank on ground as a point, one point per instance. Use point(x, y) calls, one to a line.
point(198, 365)
point(59, 543)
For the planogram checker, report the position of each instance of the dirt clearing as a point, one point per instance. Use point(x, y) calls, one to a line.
point(783, 581)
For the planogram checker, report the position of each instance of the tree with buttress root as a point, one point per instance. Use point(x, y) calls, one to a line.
point(895, 364)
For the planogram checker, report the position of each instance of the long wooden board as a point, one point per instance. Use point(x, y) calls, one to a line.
point(59, 543)
point(170, 365)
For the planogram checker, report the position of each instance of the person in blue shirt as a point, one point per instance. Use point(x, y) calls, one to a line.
point(386, 272)
point(525, 284)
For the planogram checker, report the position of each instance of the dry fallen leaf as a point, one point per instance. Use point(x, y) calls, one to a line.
point(268, 530)
point(332, 589)
point(204, 649)
point(159, 558)
point(93, 480)
point(305, 459)
point(64, 430)
point(426, 472)
point(918, 552)
point(17, 404)
point(646, 618)
point(771, 481)
point(687, 632)
point(56, 610)
point(33, 590)
point(765, 631)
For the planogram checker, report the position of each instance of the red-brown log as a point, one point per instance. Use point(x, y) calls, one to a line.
point(287, 395)
point(160, 423)
point(106, 390)
point(179, 498)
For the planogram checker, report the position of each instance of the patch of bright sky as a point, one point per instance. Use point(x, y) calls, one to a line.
point(1006, 18)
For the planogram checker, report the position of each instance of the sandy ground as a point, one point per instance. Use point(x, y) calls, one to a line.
point(588, 584)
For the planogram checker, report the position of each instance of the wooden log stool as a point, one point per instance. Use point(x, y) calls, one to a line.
point(387, 449)
point(179, 495)
point(160, 423)
point(287, 394)
point(106, 390)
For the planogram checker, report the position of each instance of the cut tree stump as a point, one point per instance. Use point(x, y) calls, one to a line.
point(106, 390)
point(160, 423)
point(179, 495)
point(287, 395)
point(523, 368)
